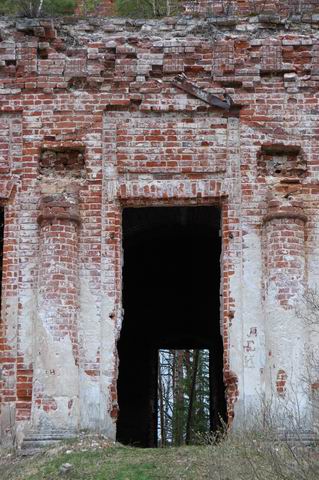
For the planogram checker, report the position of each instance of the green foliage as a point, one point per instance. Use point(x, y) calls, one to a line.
point(7, 7)
point(147, 8)
point(126, 8)
point(36, 8)
point(90, 5)
point(60, 7)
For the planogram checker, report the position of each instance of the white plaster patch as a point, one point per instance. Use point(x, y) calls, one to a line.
point(89, 323)
point(55, 376)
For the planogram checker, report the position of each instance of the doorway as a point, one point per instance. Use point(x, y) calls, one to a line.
point(171, 288)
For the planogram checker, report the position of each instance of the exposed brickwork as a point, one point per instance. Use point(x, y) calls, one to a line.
point(62, 162)
point(90, 108)
point(231, 382)
point(168, 142)
point(24, 391)
point(58, 270)
point(281, 382)
point(285, 254)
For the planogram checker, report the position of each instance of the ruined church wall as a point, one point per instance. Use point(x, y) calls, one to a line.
point(90, 123)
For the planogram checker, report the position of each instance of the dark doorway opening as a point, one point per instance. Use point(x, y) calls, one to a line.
point(171, 287)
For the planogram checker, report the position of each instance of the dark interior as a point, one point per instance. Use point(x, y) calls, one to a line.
point(171, 281)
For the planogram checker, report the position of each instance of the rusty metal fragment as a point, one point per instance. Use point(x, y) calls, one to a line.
point(183, 83)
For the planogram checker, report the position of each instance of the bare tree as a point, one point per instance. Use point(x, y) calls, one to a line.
point(38, 8)
point(192, 397)
point(161, 404)
point(29, 8)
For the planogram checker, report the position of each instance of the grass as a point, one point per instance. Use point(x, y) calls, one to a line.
point(112, 463)
point(237, 456)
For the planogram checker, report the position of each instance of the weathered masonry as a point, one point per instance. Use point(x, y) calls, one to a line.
point(116, 136)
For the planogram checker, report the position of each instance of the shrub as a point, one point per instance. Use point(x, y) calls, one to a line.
point(37, 8)
point(147, 8)
point(261, 455)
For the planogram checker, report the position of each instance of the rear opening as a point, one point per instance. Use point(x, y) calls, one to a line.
point(171, 281)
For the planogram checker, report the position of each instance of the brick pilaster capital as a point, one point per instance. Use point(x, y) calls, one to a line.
point(59, 206)
point(277, 209)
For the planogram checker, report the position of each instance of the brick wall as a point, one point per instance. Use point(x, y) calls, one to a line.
point(91, 107)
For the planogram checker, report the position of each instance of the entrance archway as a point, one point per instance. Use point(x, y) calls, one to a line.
point(171, 287)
